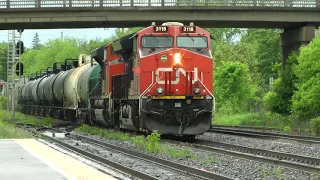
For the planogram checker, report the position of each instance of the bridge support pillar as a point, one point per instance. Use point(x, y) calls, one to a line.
point(292, 39)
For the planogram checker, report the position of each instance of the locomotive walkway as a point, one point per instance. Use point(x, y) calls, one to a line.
point(48, 14)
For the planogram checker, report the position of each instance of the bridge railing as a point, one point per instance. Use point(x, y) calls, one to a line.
point(154, 3)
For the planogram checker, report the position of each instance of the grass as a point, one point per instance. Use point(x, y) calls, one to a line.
point(151, 143)
point(270, 120)
point(9, 131)
point(25, 119)
point(251, 119)
point(7, 124)
point(233, 120)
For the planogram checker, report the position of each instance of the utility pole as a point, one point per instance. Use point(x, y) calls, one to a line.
point(15, 49)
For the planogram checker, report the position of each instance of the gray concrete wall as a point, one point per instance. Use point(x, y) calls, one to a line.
point(215, 17)
point(291, 40)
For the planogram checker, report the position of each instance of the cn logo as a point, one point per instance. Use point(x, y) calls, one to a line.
point(160, 75)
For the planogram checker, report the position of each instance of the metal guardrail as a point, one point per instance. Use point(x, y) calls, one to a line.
point(15, 4)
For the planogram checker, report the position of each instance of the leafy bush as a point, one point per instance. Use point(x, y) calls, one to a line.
point(287, 129)
point(139, 142)
point(306, 98)
point(315, 126)
point(3, 102)
point(154, 142)
point(270, 100)
point(279, 100)
point(233, 86)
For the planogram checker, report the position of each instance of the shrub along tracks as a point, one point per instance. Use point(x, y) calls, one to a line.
point(137, 164)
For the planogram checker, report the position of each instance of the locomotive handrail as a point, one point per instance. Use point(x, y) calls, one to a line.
point(213, 98)
point(149, 87)
point(145, 91)
point(94, 86)
point(15, 4)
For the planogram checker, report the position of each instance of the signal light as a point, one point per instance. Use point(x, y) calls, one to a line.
point(177, 58)
point(19, 69)
point(20, 47)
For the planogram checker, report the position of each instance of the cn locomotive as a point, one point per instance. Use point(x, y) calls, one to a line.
point(159, 78)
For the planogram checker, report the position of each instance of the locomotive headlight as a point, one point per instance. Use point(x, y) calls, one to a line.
point(159, 90)
point(177, 58)
point(196, 90)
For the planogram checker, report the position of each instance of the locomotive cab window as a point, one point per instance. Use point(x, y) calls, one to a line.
point(192, 42)
point(156, 41)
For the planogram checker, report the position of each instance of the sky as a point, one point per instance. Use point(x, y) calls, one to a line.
point(46, 34)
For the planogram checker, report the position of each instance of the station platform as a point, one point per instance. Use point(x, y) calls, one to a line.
point(29, 159)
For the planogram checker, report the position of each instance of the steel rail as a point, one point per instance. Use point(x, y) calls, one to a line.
point(263, 152)
point(172, 165)
point(260, 128)
point(305, 139)
point(202, 174)
point(96, 158)
point(259, 158)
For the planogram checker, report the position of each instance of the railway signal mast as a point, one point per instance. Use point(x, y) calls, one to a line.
point(14, 67)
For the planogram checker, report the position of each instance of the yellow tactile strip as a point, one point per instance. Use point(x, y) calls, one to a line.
point(63, 164)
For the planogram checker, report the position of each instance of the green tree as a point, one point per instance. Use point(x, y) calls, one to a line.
point(233, 86)
point(36, 42)
point(225, 34)
point(280, 99)
point(56, 50)
point(88, 46)
point(3, 61)
point(120, 32)
point(266, 53)
point(306, 98)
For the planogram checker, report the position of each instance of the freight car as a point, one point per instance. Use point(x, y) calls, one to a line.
point(159, 78)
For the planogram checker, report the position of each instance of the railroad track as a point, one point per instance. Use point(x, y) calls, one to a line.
point(257, 134)
point(155, 163)
point(304, 163)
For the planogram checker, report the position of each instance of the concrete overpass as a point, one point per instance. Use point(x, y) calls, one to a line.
point(49, 14)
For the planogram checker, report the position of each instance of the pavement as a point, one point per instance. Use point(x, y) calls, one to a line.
point(29, 159)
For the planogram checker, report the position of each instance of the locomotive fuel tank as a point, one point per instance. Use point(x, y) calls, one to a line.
point(70, 87)
point(88, 82)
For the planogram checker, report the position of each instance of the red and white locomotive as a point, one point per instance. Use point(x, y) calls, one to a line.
point(159, 78)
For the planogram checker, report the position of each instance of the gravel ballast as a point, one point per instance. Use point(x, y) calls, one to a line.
point(223, 164)
point(106, 169)
point(128, 161)
point(285, 146)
